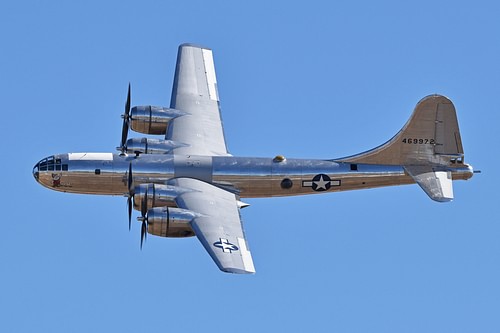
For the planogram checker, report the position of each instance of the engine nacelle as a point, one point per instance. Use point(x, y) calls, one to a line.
point(152, 119)
point(151, 146)
point(170, 222)
point(155, 195)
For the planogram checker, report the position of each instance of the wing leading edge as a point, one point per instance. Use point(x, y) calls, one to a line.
point(219, 228)
point(195, 92)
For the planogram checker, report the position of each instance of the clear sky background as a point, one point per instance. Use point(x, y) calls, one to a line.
point(303, 79)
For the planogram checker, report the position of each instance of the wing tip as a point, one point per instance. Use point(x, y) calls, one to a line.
point(235, 270)
point(194, 45)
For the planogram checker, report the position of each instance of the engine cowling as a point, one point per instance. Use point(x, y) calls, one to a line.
point(150, 119)
point(170, 222)
point(155, 195)
point(151, 146)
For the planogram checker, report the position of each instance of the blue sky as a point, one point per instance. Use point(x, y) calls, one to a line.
point(316, 80)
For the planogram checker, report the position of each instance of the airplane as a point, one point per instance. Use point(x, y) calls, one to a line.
point(188, 184)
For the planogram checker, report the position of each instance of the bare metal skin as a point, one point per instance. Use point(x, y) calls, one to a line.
point(188, 184)
point(249, 177)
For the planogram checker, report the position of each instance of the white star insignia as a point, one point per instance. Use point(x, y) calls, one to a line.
point(321, 183)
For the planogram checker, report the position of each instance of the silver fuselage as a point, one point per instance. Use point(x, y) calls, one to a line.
point(107, 173)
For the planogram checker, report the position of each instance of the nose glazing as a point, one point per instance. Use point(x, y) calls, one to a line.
point(36, 171)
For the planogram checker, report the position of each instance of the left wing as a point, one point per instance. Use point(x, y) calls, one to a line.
point(195, 93)
point(219, 227)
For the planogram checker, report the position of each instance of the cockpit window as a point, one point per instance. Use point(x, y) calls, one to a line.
point(52, 164)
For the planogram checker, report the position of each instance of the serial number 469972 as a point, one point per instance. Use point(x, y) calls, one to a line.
point(419, 141)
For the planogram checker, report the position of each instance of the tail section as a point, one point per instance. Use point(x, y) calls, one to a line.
point(429, 148)
point(431, 136)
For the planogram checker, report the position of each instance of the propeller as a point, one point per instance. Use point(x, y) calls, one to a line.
point(144, 218)
point(130, 186)
point(126, 118)
point(144, 206)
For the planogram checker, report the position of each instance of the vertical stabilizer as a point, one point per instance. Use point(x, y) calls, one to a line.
point(431, 136)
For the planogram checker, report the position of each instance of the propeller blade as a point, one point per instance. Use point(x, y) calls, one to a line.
point(127, 104)
point(129, 203)
point(144, 232)
point(130, 180)
point(125, 121)
point(130, 185)
point(144, 218)
point(144, 205)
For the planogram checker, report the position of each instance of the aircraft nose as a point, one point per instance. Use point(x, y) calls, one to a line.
point(48, 171)
point(41, 168)
point(36, 170)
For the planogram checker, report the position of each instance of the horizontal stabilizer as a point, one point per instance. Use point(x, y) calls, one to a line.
point(436, 183)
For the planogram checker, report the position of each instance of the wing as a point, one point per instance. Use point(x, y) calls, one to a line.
point(219, 227)
point(195, 92)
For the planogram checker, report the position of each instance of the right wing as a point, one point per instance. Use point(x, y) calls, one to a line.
point(218, 224)
point(195, 92)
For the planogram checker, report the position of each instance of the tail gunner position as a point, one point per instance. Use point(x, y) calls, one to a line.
point(187, 184)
